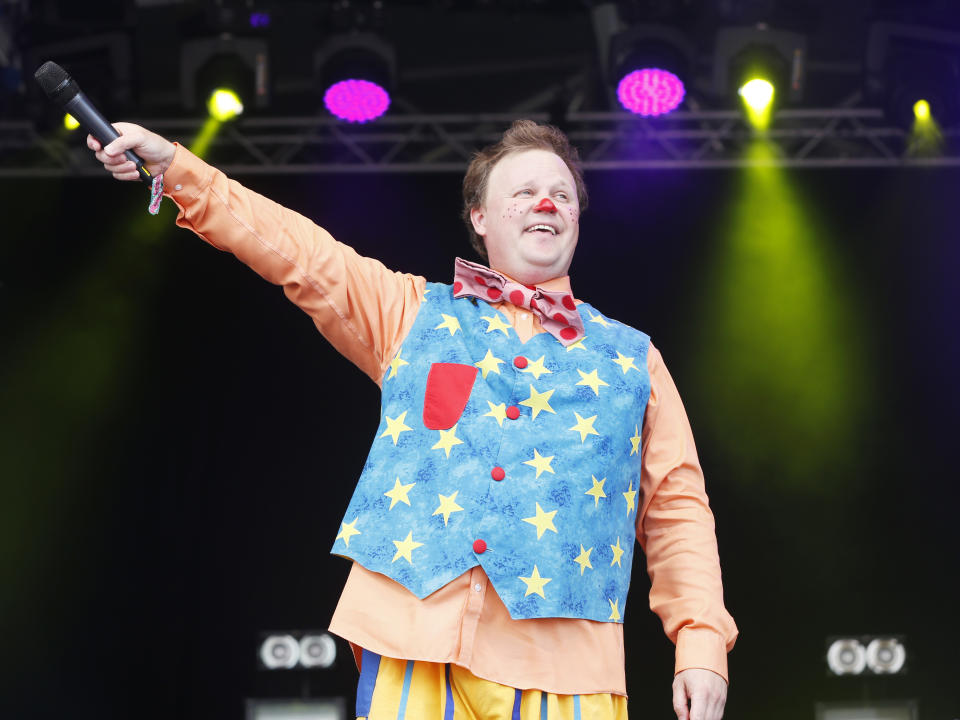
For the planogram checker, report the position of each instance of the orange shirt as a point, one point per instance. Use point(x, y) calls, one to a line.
point(365, 311)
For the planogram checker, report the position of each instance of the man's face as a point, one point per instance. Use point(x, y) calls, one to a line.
point(530, 219)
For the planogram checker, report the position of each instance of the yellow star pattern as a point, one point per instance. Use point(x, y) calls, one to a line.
point(399, 493)
point(405, 548)
point(448, 505)
point(542, 521)
point(592, 381)
point(499, 412)
point(599, 319)
point(495, 322)
point(614, 609)
point(625, 363)
point(490, 363)
point(536, 367)
point(396, 364)
point(635, 440)
point(538, 402)
point(395, 426)
point(542, 464)
point(584, 426)
point(597, 490)
point(617, 554)
point(583, 559)
point(631, 498)
point(347, 531)
point(535, 583)
point(448, 438)
point(578, 345)
point(449, 322)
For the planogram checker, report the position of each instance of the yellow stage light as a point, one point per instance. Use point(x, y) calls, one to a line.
point(921, 110)
point(224, 104)
point(70, 122)
point(757, 94)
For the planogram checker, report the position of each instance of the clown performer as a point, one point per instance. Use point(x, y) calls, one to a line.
point(526, 439)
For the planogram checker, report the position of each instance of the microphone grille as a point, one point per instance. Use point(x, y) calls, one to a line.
point(51, 76)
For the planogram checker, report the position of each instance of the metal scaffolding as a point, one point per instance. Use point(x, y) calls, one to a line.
point(813, 138)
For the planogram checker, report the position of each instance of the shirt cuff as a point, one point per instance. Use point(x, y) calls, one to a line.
point(701, 648)
point(186, 176)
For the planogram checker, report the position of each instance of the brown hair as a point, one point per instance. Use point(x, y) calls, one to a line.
point(522, 135)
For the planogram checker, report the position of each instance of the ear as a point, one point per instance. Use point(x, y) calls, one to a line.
point(479, 219)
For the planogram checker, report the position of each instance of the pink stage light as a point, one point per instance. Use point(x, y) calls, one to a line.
point(650, 92)
point(356, 100)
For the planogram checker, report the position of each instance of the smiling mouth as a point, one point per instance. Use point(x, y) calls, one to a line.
point(542, 229)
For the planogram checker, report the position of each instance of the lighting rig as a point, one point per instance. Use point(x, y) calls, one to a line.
point(664, 101)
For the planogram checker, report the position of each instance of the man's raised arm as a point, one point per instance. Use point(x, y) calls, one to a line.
point(360, 306)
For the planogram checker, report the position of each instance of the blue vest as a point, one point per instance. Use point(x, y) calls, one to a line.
point(523, 458)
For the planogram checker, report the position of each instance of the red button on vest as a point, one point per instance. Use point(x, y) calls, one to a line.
point(498, 473)
point(479, 546)
point(513, 412)
point(520, 361)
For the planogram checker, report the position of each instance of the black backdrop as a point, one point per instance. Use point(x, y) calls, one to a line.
point(179, 443)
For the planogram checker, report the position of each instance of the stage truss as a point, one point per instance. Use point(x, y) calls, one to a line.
point(810, 138)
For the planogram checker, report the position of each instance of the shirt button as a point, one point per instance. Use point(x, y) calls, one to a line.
point(498, 473)
point(479, 546)
point(520, 361)
point(178, 187)
point(513, 412)
point(478, 587)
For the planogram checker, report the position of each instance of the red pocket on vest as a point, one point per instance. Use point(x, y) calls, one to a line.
point(448, 389)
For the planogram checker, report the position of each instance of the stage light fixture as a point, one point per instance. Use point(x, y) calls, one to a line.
point(921, 110)
point(297, 649)
point(758, 94)
point(647, 65)
point(866, 710)
point(650, 92)
point(355, 74)
point(279, 652)
point(296, 709)
point(238, 64)
point(746, 54)
point(70, 122)
point(886, 656)
point(868, 654)
point(224, 104)
point(909, 63)
point(846, 656)
point(317, 650)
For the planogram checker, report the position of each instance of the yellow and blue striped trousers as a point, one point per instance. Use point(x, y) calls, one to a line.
point(391, 689)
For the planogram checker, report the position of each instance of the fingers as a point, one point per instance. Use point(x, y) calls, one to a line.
point(130, 137)
point(680, 699)
point(698, 705)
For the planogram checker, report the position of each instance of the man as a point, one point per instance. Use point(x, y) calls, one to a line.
point(492, 540)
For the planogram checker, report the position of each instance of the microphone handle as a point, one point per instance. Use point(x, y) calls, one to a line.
point(96, 124)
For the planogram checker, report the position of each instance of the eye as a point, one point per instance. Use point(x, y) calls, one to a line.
point(563, 196)
point(525, 193)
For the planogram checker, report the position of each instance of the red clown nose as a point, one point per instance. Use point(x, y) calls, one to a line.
point(545, 205)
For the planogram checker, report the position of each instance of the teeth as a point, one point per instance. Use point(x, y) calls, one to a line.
point(542, 227)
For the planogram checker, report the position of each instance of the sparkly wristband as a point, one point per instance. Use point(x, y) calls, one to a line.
point(156, 194)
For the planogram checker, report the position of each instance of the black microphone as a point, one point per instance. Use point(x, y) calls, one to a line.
point(63, 90)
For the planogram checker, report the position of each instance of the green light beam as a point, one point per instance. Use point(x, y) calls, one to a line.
point(783, 366)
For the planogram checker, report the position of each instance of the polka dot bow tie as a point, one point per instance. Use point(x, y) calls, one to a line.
point(556, 309)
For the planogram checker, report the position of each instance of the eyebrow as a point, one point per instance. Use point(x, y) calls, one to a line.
point(527, 183)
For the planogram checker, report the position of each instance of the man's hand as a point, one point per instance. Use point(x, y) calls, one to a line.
point(704, 690)
point(157, 152)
